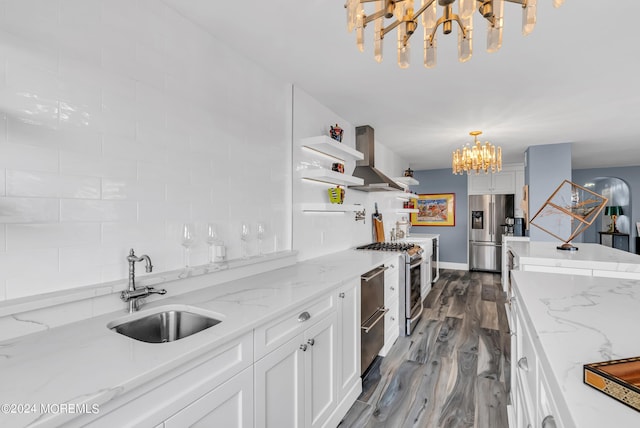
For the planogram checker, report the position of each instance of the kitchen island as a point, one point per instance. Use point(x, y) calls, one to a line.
point(589, 260)
point(562, 322)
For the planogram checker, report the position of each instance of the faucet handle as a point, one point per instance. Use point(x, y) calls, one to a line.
point(152, 290)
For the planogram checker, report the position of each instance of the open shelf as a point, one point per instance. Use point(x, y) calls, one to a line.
point(406, 181)
point(406, 196)
point(319, 207)
point(407, 210)
point(328, 146)
point(332, 177)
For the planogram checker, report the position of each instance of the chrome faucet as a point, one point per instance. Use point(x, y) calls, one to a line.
point(132, 295)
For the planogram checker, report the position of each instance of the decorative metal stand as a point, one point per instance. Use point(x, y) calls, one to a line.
point(571, 200)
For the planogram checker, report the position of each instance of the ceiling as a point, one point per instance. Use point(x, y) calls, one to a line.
point(573, 80)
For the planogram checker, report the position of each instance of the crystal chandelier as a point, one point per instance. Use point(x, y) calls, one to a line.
point(477, 157)
point(406, 20)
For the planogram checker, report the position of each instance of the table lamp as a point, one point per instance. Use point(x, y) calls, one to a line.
point(614, 211)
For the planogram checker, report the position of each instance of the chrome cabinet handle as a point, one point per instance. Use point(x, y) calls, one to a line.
point(378, 272)
point(381, 312)
point(311, 342)
point(303, 347)
point(304, 317)
point(341, 295)
point(549, 422)
point(523, 364)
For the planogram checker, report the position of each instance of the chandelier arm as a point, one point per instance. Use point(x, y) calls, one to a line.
point(389, 28)
point(442, 19)
point(373, 16)
point(422, 9)
point(456, 18)
point(522, 2)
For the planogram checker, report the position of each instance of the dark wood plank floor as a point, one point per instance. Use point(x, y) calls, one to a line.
point(453, 371)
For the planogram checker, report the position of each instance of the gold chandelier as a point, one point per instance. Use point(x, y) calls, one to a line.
point(477, 157)
point(407, 21)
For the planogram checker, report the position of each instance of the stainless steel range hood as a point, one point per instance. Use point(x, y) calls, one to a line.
point(374, 180)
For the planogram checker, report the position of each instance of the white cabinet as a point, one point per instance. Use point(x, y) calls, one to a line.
point(349, 339)
point(503, 182)
point(320, 371)
point(229, 405)
point(279, 387)
point(296, 383)
point(391, 302)
point(531, 400)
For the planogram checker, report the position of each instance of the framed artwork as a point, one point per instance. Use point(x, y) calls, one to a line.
point(435, 210)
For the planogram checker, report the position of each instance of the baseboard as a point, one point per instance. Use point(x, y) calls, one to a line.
point(344, 405)
point(453, 266)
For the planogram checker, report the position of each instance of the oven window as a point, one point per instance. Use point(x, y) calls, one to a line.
point(415, 284)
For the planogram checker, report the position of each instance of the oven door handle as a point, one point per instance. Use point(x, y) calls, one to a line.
point(419, 313)
point(381, 312)
point(378, 272)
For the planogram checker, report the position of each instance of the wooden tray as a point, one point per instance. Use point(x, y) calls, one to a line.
point(619, 379)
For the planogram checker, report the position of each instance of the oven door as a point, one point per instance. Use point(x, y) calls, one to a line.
point(413, 296)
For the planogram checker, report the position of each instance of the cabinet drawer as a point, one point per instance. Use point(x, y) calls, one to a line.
point(165, 395)
point(524, 407)
point(391, 317)
point(547, 409)
point(279, 331)
point(526, 359)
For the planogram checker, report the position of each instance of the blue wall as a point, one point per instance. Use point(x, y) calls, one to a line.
point(546, 167)
point(453, 240)
point(629, 174)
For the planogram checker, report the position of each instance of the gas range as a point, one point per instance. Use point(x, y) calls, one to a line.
point(407, 247)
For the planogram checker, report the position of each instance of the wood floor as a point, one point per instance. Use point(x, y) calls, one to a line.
point(452, 371)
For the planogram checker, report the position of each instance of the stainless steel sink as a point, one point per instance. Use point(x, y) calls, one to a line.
point(164, 326)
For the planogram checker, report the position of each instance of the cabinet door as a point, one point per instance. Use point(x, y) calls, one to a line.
point(480, 184)
point(348, 337)
point(504, 182)
point(279, 387)
point(229, 405)
point(320, 361)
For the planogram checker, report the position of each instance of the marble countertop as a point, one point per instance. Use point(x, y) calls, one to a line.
point(580, 320)
point(86, 363)
point(594, 256)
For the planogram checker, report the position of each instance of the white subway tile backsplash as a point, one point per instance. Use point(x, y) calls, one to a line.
point(32, 282)
point(163, 210)
point(17, 263)
point(53, 235)
point(15, 48)
point(120, 120)
point(72, 163)
point(43, 184)
point(3, 187)
point(29, 210)
point(20, 156)
point(80, 210)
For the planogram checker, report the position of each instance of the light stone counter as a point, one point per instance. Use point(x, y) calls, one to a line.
point(580, 320)
point(86, 363)
point(597, 258)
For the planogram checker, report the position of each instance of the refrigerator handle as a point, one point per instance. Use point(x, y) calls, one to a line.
point(491, 214)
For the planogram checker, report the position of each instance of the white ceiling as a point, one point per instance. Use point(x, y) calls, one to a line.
point(575, 79)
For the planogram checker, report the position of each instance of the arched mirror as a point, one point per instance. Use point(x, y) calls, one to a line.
point(617, 191)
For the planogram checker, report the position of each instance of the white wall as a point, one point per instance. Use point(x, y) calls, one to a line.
point(119, 121)
point(316, 234)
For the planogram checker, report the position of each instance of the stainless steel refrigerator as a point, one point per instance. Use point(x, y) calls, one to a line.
point(487, 218)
